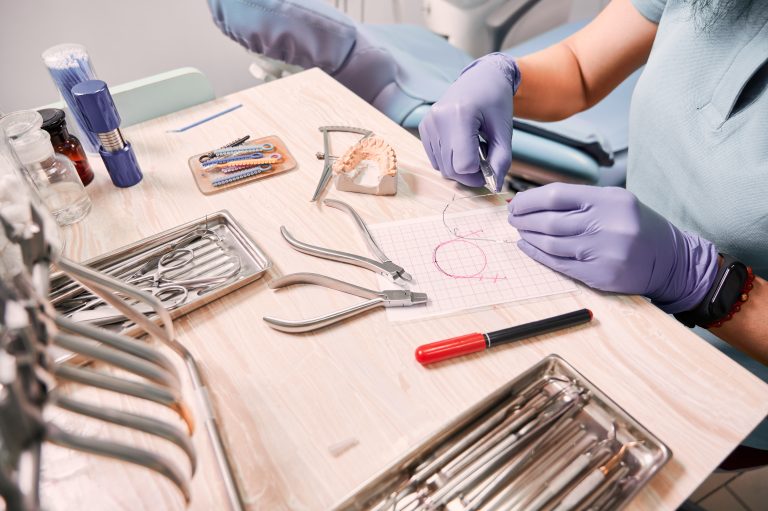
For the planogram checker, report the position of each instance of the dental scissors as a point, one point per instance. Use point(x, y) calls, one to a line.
point(182, 262)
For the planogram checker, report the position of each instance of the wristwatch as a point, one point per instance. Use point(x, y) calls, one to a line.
point(730, 289)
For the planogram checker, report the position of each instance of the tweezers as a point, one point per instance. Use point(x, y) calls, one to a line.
point(384, 265)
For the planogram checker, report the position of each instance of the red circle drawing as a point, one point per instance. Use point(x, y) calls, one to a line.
point(482, 260)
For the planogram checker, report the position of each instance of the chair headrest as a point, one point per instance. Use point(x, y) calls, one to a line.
point(269, 27)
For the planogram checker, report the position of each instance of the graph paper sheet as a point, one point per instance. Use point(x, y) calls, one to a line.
point(467, 272)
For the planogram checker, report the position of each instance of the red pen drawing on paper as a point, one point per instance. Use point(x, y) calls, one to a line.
point(463, 254)
point(463, 261)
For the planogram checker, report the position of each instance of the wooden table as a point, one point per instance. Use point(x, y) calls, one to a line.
point(284, 399)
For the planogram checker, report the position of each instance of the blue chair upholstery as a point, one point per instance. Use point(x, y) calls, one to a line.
point(403, 69)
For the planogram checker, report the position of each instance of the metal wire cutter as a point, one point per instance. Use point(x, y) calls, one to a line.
point(384, 265)
point(386, 298)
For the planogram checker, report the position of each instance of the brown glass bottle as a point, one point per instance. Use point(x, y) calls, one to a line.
point(66, 144)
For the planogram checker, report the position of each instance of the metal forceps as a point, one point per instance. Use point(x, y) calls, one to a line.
point(387, 298)
point(384, 265)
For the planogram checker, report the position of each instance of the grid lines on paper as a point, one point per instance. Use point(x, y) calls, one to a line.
point(464, 265)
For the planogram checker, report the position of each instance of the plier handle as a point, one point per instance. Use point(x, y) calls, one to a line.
point(386, 298)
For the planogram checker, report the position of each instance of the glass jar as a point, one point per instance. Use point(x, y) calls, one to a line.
point(53, 175)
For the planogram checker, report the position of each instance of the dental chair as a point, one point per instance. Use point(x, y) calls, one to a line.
point(403, 69)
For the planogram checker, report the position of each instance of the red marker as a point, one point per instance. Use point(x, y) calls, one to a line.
point(472, 343)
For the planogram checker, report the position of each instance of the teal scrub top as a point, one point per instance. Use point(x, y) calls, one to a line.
point(698, 136)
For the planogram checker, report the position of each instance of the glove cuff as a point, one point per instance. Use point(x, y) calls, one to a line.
point(503, 63)
point(693, 275)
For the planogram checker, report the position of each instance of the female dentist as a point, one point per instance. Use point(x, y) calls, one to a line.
point(690, 232)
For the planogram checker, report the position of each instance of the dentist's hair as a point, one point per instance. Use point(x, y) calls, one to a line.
point(706, 13)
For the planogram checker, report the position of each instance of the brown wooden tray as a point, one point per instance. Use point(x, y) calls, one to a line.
point(204, 177)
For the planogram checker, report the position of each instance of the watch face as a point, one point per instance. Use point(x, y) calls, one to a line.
point(729, 289)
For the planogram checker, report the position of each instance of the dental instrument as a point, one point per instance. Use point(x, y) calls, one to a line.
point(383, 266)
point(593, 480)
point(149, 425)
point(527, 446)
point(325, 176)
point(486, 169)
point(122, 452)
point(386, 298)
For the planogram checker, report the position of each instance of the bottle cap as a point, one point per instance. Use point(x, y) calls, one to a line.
point(53, 119)
point(96, 106)
point(33, 147)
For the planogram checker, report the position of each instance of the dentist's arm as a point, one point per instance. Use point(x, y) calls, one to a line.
point(578, 72)
point(548, 85)
point(748, 330)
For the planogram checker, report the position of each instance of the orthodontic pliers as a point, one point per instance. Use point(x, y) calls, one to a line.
point(386, 298)
point(384, 265)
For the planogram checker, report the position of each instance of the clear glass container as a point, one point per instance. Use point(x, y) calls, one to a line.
point(16, 195)
point(53, 175)
point(60, 188)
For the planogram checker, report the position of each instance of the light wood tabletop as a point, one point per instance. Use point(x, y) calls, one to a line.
point(285, 399)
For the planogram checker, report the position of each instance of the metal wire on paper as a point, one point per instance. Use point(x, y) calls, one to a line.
point(476, 233)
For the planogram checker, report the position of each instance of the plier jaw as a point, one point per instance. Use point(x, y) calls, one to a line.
point(395, 272)
point(403, 298)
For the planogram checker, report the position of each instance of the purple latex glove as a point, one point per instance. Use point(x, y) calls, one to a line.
point(478, 102)
point(609, 240)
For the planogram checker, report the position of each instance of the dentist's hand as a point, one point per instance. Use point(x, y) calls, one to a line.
point(609, 240)
point(479, 101)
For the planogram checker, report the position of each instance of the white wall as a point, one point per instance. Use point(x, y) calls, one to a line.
point(126, 39)
point(131, 39)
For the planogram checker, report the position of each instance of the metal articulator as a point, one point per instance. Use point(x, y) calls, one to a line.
point(326, 154)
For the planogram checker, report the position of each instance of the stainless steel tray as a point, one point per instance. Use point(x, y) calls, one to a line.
point(254, 262)
point(599, 416)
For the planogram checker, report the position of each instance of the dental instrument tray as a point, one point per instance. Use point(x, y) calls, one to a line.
point(185, 267)
point(549, 439)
